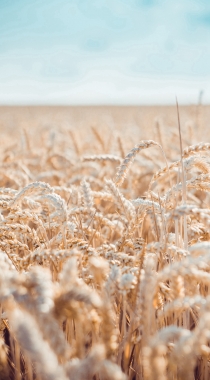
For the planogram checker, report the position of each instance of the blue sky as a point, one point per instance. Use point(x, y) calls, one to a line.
point(103, 51)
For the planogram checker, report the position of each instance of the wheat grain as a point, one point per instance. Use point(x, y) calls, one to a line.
point(95, 282)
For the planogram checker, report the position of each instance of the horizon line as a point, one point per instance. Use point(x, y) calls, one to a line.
point(182, 104)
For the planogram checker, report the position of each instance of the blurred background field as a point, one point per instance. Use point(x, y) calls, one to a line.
point(132, 121)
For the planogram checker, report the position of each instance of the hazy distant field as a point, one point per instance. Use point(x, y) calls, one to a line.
point(141, 118)
point(134, 123)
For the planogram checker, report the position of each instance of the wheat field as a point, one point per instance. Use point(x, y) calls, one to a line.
point(105, 243)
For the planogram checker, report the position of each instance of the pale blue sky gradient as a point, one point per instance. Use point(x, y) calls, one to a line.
point(103, 51)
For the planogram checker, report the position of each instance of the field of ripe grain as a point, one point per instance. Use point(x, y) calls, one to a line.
point(105, 243)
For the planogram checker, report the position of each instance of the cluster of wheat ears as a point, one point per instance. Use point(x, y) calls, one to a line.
point(104, 260)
